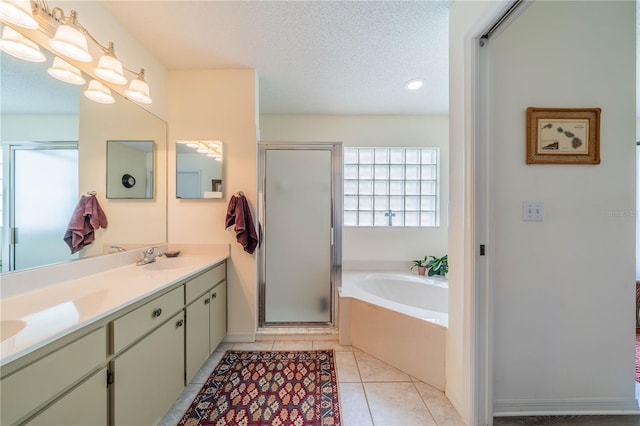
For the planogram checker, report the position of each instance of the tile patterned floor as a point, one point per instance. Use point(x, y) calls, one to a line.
point(371, 392)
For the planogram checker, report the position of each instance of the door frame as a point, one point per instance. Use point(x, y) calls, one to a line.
point(336, 225)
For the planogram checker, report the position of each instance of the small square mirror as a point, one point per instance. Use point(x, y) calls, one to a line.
point(130, 169)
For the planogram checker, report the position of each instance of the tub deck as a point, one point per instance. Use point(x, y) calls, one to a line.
point(408, 338)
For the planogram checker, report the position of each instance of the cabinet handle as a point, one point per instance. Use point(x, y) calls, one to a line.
point(206, 301)
point(214, 295)
point(157, 312)
point(180, 323)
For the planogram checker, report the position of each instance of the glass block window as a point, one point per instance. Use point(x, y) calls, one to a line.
point(391, 187)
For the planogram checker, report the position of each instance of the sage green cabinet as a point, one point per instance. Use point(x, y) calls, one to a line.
point(86, 405)
point(125, 369)
point(217, 315)
point(206, 317)
point(28, 390)
point(149, 377)
point(197, 335)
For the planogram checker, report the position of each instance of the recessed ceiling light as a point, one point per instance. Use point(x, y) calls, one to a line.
point(414, 84)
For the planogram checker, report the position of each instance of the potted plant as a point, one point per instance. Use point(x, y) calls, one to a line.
point(437, 265)
point(421, 264)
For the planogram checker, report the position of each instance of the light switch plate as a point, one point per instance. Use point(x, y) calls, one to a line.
point(532, 211)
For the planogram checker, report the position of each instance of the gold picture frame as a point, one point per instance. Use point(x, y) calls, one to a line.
point(563, 135)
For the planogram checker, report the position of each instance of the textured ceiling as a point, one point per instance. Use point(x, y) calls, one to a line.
point(26, 88)
point(312, 57)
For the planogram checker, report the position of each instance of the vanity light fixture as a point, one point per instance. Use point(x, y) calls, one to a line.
point(15, 44)
point(70, 41)
point(414, 84)
point(98, 92)
point(139, 89)
point(18, 12)
point(109, 68)
point(64, 71)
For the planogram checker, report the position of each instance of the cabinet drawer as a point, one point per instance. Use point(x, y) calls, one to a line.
point(29, 388)
point(202, 283)
point(137, 323)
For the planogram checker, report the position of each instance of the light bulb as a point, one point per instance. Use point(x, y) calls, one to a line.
point(18, 12)
point(98, 92)
point(15, 44)
point(66, 72)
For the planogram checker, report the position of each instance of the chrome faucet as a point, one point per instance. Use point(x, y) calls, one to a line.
point(149, 256)
point(116, 249)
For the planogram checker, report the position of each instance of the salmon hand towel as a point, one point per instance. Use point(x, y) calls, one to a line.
point(239, 214)
point(87, 217)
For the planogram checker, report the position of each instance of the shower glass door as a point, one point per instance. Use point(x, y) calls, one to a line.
point(42, 197)
point(299, 261)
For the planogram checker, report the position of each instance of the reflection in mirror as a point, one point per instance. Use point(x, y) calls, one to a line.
point(130, 169)
point(40, 123)
point(199, 169)
point(40, 111)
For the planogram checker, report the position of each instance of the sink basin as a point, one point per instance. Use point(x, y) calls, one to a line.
point(168, 263)
point(9, 328)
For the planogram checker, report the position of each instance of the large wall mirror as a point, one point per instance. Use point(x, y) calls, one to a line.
point(199, 166)
point(54, 150)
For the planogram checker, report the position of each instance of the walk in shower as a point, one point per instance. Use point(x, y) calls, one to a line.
point(300, 210)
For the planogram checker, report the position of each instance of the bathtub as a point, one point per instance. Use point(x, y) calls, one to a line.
point(398, 317)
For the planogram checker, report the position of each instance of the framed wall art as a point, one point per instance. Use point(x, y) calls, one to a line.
point(563, 135)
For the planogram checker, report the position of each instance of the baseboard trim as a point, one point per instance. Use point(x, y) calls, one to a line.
point(240, 337)
point(573, 406)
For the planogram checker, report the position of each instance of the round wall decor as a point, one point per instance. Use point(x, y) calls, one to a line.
point(128, 181)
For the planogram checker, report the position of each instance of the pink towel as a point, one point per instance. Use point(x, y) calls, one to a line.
point(239, 213)
point(87, 217)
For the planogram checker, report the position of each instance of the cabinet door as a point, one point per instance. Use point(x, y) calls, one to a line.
point(85, 405)
point(218, 315)
point(149, 377)
point(197, 332)
point(25, 390)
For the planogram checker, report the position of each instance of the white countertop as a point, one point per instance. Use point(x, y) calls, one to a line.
point(51, 312)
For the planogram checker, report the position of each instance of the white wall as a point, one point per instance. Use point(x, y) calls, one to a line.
point(376, 244)
point(564, 288)
point(218, 104)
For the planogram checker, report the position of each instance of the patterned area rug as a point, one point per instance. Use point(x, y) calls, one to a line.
point(637, 354)
point(297, 388)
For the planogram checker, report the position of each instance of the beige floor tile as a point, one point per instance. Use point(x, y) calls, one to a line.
point(353, 405)
point(374, 370)
point(397, 404)
point(261, 345)
point(439, 406)
point(347, 369)
point(181, 405)
point(292, 345)
point(223, 347)
point(331, 344)
point(205, 371)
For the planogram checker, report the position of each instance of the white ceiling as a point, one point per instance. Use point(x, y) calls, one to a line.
point(312, 57)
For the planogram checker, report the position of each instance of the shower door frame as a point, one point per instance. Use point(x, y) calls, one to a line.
point(336, 227)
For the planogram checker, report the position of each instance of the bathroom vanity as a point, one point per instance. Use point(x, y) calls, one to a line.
point(115, 347)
